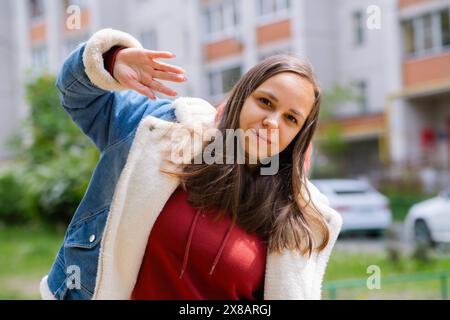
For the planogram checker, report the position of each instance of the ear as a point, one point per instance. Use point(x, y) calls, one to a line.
point(220, 108)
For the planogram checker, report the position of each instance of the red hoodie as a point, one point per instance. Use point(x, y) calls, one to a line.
point(191, 256)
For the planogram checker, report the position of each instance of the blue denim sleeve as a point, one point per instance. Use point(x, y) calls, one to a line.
point(106, 117)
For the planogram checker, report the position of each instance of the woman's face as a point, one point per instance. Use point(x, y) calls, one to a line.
point(275, 112)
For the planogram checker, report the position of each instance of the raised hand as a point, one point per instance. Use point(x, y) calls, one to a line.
point(138, 69)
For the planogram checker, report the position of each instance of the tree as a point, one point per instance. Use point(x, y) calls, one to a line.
point(52, 161)
point(331, 145)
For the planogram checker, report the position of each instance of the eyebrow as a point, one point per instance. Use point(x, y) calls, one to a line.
point(300, 114)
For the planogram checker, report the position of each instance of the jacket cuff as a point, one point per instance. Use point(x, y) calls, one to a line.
point(101, 42)
point(46, 293)
point(109, 59)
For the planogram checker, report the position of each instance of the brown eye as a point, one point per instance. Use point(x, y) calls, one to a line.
point(292, 119)
point(265, 102)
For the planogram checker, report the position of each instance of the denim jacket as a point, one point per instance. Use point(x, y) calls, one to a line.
point(105, 242)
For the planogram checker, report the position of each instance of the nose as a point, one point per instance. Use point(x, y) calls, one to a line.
point(270, 123)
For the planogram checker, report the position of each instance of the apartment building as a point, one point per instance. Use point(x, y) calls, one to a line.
point(37, 35)
point(420, 112)
point(399, 67)
point(34, 39)
point(10, 90)
point(334, 37)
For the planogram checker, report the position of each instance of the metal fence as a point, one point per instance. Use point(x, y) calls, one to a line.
point(333, 287)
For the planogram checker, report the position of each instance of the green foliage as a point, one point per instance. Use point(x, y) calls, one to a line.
point(52, 161)
point(13, 197)
point(27, 254)
point(404, 190)
point(331, 98)
point(332, 146)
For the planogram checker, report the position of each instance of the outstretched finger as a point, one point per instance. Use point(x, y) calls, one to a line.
point(169, 76)
point(159, 54)
point(158, 86)
point(167, 67)
point(142, 89)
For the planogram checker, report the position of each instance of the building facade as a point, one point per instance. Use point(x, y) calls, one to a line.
point(420, 111)
point(393, 54)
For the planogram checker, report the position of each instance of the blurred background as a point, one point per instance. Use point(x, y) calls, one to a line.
point(381, 153)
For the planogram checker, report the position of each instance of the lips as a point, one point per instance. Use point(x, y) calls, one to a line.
point(263, 138)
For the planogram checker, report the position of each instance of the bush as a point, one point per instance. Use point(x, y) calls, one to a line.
point(404, 189)
point(52, 161)
point(13, 197)
point(401, 203)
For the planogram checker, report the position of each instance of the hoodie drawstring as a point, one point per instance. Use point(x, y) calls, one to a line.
point(188, 245)
point(216, 260)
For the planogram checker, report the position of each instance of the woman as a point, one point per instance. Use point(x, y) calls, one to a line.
point(153, 227)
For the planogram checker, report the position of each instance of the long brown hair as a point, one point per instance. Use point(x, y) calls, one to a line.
point(270, 205)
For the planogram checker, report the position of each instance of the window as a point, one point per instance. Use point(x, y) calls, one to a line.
point(149, 39)
point(80, 3)
point(428, 31)
point(222, 81)
point(408, 38)
point(360, 91)
point(229, 78)
point(428, 138)
point(39, 58)
point(214, 83)
point(222, 17)
point(273, 7)
point(266, 7)
point(358, 28)
point(218, 19)
point(208, 20)
point(36, 8)
point(445, 27)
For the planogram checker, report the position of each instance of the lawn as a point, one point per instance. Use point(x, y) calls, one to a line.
point(26, 254)
point(343, 266)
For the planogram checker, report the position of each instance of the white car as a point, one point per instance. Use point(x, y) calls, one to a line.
point(428, 222)
point(361, 206)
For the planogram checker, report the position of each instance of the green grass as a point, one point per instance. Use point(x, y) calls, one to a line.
point(26, 255)
point(343, 266)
